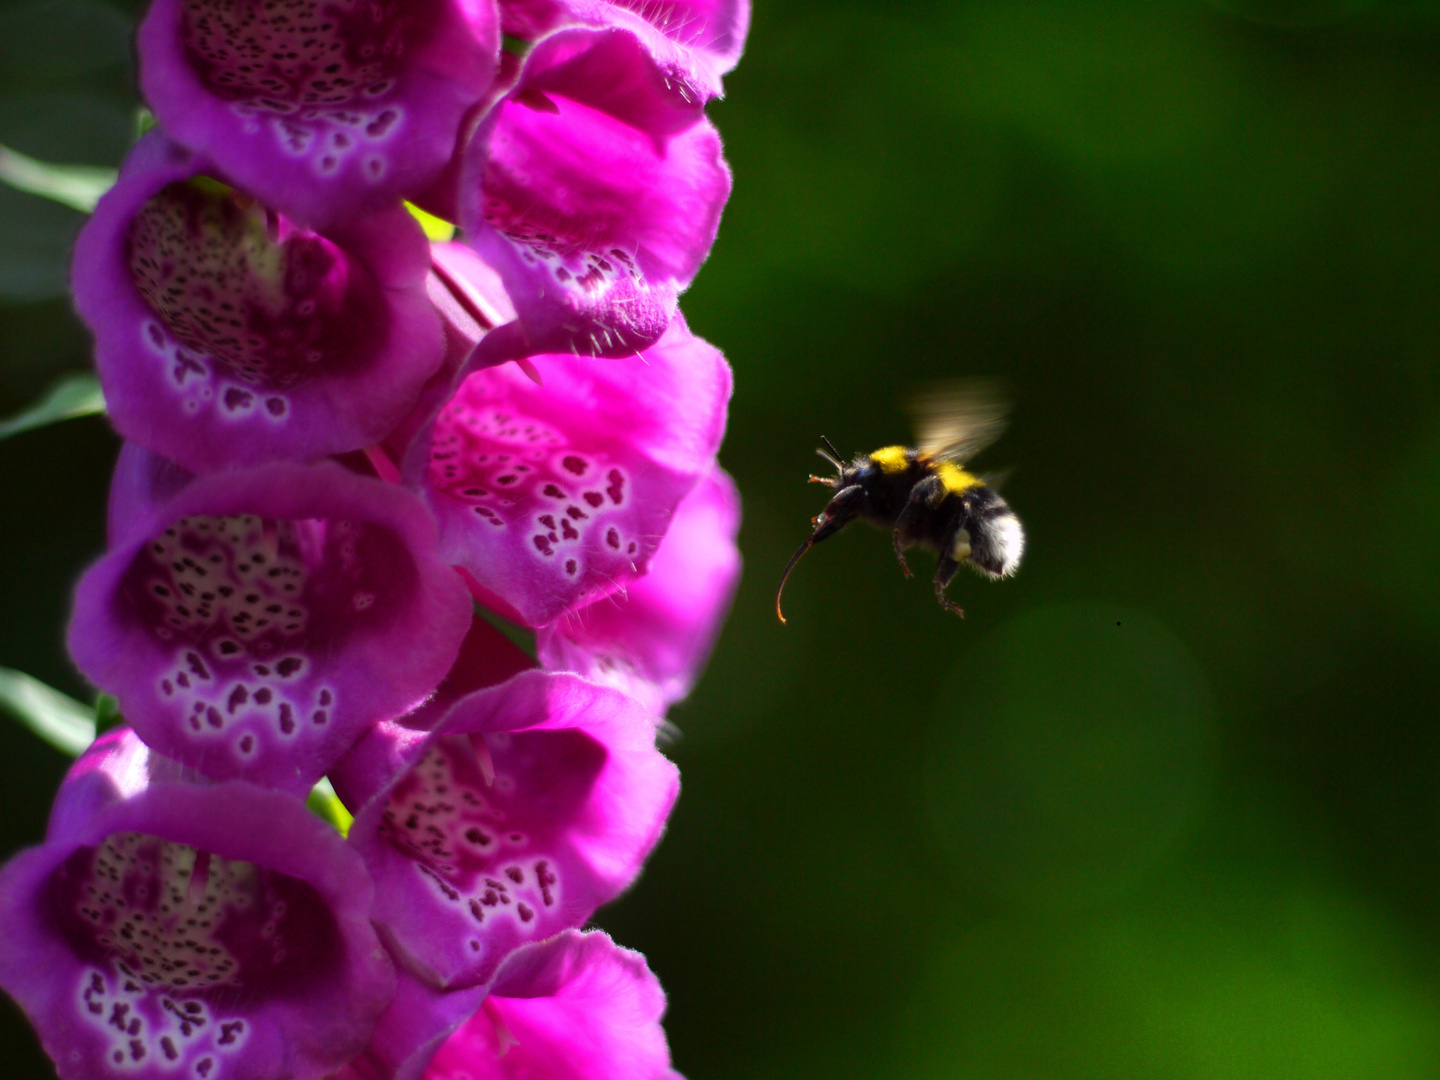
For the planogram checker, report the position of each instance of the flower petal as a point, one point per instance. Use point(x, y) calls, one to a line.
point(653, 640)
point(417, 1022)
point(259, 621)
point(169, 929)
point(321, 117)
point(714, 28)
point(595, 189)
point(529, 805)
point(555, 495)
point(577, 1007)
point(225, 335)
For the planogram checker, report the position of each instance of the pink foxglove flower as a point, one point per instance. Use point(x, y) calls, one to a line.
point(227, 335)
point(652, 640)
point(552, 496)
point(594, 187)
point(256, 623)
point(522, 810)
point(168, 929)
point(576, 1007)
point(715, 29)
point(321, 110)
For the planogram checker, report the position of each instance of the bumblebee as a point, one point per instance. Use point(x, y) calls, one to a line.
point(924, 495)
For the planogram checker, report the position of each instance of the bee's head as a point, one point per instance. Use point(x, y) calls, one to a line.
point(842, 509)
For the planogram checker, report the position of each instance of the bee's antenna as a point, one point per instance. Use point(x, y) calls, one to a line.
point(831, 447)
point(786, 576)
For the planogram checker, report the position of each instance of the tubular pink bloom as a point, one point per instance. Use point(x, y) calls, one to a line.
point(653, 640)
point(715, 29)
point(526, 807)
point(257, 622)
point(595, 188)
point(553, 496)
point(321, 109)
point(170, 930)
point(576, 1007)
point(226, 335)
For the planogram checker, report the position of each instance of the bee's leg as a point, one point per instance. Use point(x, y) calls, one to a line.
point(924, 495)
point(944, 574)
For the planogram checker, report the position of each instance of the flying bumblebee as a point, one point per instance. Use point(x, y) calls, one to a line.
point(924, 495)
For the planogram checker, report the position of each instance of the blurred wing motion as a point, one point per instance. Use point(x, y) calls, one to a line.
point(954, 421)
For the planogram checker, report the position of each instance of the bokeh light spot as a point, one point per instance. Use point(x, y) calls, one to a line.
point(1066, 759)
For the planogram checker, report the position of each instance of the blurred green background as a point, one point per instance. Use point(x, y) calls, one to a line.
point(1167, 804)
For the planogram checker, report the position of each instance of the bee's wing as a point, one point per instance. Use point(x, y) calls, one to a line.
point(954, 421)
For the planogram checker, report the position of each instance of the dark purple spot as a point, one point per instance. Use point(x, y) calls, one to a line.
point(237, 399)
point(595, 499)
point(612, 537)
point(574, 464)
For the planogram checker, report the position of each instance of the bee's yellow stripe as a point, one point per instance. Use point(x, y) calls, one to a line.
point(891, 459)
point(955, 479)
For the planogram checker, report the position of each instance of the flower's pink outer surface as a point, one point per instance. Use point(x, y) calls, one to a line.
point(254, 625)
point(417, 1021)
point(554, 496)
point(653, 640)
point(322, 109)
point(576, 1007)
point(224, 338)
point(169, 929)
point(595, 188)
point(526, 807)
point(715, 29)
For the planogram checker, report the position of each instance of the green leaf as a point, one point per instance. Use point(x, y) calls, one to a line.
point(72, 396)
point(435, 228)
point(327, 805)
point(519, 636)
point(57, 718)
point(107, 713)
point(76, 186)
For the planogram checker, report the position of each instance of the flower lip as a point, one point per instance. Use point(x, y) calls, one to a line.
point(553, 497)
point(320, 119)
point(526, 807)
point(226, 335)
point(595, 187)
point(157, 929)
point(576, 1007)
point(713, 29)
point(258, 621)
